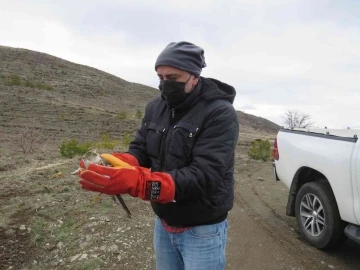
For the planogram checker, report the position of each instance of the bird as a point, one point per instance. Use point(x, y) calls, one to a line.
point(93, 157)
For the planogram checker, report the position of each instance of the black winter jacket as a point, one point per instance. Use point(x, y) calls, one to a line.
point(195, 144)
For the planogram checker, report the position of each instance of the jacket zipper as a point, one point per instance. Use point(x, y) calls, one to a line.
point(162, 159)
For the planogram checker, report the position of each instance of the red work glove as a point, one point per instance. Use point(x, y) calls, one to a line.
point(116, 160)
point(137, 182)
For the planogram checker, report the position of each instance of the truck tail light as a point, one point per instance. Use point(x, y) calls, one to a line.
point(276, 150)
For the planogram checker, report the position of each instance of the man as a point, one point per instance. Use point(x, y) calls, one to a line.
point(182, 160)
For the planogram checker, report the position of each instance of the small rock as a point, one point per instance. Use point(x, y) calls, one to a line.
point(28, 230)
point(34, 262)
point(260, 179)
point(60, 245)
point(74, 258)
point(114, 248)
point(49, 246)
point(331, 266)
point(22, 228)
point(102, 248)
point(119, 257)
point(83, 257)
point(92, 218)
point(91, 224)
point(104, 218)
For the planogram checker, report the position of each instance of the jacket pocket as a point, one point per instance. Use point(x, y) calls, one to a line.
point(182, 140)
point(154, 136)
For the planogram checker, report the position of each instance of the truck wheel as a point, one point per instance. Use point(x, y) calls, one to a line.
point(318, 217)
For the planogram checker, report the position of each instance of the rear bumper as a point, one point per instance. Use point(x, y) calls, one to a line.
point(274, 172)
point(353, 233)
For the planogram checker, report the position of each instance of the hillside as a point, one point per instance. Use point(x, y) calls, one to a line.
point(256, 123)
point(60, 98)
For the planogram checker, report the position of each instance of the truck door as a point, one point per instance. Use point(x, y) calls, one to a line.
point(356, 168)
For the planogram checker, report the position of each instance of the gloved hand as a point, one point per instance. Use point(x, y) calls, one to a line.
point(117, 160)
point(136, 181)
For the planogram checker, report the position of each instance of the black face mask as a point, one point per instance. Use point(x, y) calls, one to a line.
point(173, 92)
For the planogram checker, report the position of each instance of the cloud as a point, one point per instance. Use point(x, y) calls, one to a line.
point(314, 68)
point(278, 54)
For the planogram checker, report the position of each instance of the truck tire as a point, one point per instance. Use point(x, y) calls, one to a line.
point(318, 217)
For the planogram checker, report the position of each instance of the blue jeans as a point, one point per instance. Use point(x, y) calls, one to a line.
point(200, 247)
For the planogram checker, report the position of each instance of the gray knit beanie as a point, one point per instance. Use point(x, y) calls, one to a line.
point(182, 55)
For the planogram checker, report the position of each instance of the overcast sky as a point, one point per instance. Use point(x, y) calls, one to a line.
point(278, 54)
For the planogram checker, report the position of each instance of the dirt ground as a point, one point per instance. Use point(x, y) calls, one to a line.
point(53, 224)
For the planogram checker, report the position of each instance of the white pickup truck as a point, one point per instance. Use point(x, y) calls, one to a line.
point(321, 167)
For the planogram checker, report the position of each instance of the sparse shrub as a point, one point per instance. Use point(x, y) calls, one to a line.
point(260, 150)
point(63, 232)
point(38, 226)
point(72, 148)
point(43, 86)
point(106, 142)
point(92, 264)
point(62, 117)
point(126, 140)
point(107, 204)
point(29, 84)
point(62, 189)
point(14, 80)
point(27, 140)
point(122, 115)
point(138, 114)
